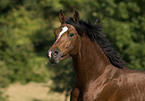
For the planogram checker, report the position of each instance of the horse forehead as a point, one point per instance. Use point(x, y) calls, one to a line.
point(63, 30)
point(65, 27)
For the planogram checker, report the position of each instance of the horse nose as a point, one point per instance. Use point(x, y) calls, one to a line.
point(53, 53)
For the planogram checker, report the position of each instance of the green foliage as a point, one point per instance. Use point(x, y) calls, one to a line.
point(64, 76)
point(18, 60)
point(3, 80)
point(2, 97)
point(17, 49)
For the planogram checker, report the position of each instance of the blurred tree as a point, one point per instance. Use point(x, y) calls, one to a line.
point(3, 82)
point(17, 51)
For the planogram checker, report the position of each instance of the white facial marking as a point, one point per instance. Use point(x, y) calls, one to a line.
point(50, 54)
point(64, 29)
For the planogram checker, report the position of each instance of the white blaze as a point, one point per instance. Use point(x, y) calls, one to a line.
point(50, 54)
point(64, 29)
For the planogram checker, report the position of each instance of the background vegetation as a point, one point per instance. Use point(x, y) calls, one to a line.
point(26, 33)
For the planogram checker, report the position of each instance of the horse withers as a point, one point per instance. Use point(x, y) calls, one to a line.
point(101, 75)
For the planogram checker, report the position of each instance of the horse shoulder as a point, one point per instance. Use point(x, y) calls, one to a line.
point(121, 86)
point(132, 88)
point(102, 87)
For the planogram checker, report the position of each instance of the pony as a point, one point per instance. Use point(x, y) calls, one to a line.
point(100, 74)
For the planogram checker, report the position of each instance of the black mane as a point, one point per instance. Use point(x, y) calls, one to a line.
point(94, 32)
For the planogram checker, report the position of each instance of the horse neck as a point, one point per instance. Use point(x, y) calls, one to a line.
point(90, 62)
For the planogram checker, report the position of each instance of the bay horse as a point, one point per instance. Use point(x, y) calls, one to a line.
point(101, 75)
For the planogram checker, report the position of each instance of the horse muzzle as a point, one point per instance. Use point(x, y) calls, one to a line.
point(54, 55)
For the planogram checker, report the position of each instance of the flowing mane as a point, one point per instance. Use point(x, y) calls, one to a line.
point(94, 32)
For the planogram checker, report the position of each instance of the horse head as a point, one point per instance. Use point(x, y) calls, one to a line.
point(67, 40)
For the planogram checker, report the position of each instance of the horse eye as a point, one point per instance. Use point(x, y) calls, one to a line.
point(71, 35)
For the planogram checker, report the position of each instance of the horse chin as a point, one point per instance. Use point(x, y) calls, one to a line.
point(54, 60)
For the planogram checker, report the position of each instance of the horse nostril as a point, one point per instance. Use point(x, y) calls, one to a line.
point(55, 53)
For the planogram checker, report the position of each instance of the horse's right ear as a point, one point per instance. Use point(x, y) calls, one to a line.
point(61, 16)
point(76, 16)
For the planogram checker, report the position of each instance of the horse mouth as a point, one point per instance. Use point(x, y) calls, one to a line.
point(56, 60)
point(64, 56)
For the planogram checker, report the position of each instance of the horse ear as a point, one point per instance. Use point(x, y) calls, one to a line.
point(76, 16)
point(61, 16)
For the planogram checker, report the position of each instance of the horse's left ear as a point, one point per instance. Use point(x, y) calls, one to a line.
point(76, 16)
point(61, 16)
